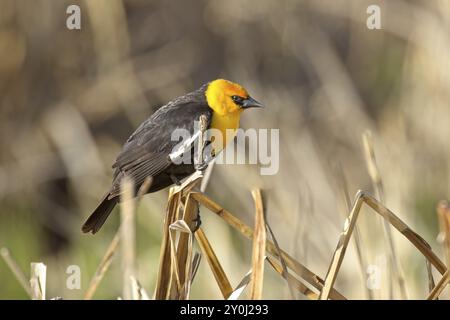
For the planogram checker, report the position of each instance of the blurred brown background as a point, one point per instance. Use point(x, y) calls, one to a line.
point(70, 98)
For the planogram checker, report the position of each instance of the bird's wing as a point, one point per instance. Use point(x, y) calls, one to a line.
point(148, 150)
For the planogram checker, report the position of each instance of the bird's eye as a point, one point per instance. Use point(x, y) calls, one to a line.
point(238, 100)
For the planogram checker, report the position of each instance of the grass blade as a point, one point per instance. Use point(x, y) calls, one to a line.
point(102, 267)
point(127, 236)
point(434, 294)
point(240, 288)
point(38, 280)
point(394, 265)
point(216, 267)
point(138, 292)
point(413, 237)
point(259, 248)
point(181, 258)
point(293, 282)
point(341, 247)
point(16, 270)
point(165, 261)
point(404, 229)
point(303, 272)
point(443, 211)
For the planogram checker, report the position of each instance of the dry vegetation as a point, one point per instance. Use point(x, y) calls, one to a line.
point(179, 261)
point(356, 109)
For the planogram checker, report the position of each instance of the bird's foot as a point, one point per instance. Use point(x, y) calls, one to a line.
point(175, 180)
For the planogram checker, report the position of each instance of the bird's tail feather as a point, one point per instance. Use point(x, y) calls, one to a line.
point(99, 216)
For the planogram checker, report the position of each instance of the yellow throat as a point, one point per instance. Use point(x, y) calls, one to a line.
point(226, 113)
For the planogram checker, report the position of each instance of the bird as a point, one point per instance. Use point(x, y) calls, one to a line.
point(151, 153)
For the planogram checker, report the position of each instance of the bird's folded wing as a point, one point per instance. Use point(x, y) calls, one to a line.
point(148, 165)
point(148, 151)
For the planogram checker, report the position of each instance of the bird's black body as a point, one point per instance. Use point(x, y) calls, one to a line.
point(146, 152)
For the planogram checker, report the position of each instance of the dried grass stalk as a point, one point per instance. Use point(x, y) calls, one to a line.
point(303, 272)
point(240, 288)
point(182, 255)
point(181, 258)
point(16, 270)
point(137, 291)
point(216, 267)
point(259, 248)
point(185, 246)
point(339, 253)
point(443, 211)
point(434, 294)
point(284, 270)
point(357, 239)
point(189, 184)
point(38, 280)
point(102, 267)
point(112, 248)
point(127, 236)
point(394, 265)
point(293, 282)
point(165, 288)
point(165, 261)
point(430, 278)
point(404, 229)
point(195, 264)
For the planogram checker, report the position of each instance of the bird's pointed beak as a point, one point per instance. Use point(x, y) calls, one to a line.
point(251, 103)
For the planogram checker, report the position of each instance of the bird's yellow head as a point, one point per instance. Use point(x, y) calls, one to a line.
point(226, 97)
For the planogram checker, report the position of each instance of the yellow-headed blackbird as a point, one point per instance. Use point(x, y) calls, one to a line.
point(148, 151)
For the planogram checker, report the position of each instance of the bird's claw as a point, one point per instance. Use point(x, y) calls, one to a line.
point(175, 180)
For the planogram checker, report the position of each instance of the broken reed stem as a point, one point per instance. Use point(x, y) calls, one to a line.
point(292, 280)
point(443, 211)
point(182, 255)
point(245, 230)
point(362, 261)
point(16, 270)
point(430, 278)
point(189, 214)
point(164, 288)
point(102, 267)
point(284, 271)
point(374, 173)
point(434, 294)
point(165, 265)
point(240, 288)
point(339, 253)
point(138, 291)
point(38, 280)
point(127, 236)
point(216, 267)
point(195, 264)
point(404, 229)
point(259, 248)
point(181, 259)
